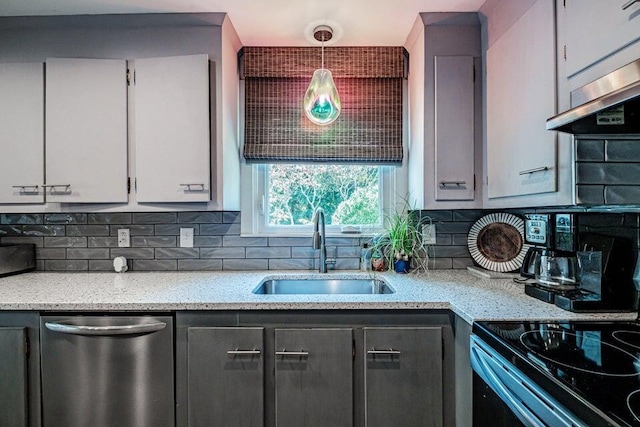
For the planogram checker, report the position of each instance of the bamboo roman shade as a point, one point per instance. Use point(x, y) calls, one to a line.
point(369, 128)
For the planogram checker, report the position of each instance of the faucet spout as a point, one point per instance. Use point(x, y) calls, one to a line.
point(319, 238)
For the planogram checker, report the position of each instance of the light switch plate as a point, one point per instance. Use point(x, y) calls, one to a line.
point(429, 234)
point(124, 240)
point(186, 237)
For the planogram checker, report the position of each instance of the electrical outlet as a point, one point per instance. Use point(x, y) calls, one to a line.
point(186, 237)
point(429, 234)
point(124, 240)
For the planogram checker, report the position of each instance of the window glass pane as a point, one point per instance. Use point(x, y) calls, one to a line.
point(349, 194)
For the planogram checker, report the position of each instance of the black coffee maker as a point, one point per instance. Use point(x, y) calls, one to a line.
point(603, 249)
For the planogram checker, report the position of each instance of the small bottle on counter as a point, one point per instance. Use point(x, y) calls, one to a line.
point(365, 258)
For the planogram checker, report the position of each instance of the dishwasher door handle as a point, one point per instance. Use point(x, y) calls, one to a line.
point(144, 328)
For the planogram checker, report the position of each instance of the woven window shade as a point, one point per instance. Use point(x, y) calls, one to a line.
point(370, 84)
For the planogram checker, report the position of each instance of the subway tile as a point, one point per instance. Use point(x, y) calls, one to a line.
point(608, 173)
point(443, 238)
point(348, 252)
point(290, 241)
point(200, 264)
point(65, 218)
point(174, 229)
point(622, 194)
point(43, 230)
point(437, 215)
point(342, 241)
point(83, 253)
point(268, 252)
point(10, 230)
point(347, 264)
point(155, 217)
point(51, 253)
point(25, 219)
point(303, 252)
point(459, 239)
point(134, 230)
point(38, 241)
point(590, 150)
point(290, 264)
point(207, 241)
point(453, 227)
point(103, 265)
point(244, 241)
point(245, 264)
point(590, 194)
point(169, 253)
point(468, 214)
point(219, 229)
point(222, 252)
point(109, 218)
point(66, 265)
point(440, 263)
point(65, 242)
point(450, 251)
point(230, 217)
point(39, 265)
point(200, 217)
point(155, 265)
point(87, 230)
point(462, 263)
point(138, 253)
point(102, 242)
point(153, 241)
point(621, 150)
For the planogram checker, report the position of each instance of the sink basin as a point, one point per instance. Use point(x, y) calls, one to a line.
point(323, 286)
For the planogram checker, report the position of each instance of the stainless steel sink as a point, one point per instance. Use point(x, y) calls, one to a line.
point(323, 286)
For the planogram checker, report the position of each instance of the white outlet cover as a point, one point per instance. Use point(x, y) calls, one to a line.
point(186, 237)
point(124, 240)
point(429, 234)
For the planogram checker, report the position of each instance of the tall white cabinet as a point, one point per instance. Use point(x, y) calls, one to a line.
point(172, 129)
point(21, 133)
point(86, 130)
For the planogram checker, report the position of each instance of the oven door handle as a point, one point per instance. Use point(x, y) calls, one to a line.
point(486, 372)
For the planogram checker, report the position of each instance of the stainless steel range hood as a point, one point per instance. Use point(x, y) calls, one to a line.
point(609, 105)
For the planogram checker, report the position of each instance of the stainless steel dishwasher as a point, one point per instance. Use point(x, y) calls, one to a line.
point(105, 371)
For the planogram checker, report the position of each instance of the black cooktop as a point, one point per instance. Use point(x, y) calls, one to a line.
point(591, 368)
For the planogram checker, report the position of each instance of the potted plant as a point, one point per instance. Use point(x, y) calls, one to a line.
point(402, 244)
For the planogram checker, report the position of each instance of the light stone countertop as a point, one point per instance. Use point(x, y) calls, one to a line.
point(468, 296)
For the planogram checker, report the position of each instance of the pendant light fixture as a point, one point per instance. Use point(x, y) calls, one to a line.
point(321, 102)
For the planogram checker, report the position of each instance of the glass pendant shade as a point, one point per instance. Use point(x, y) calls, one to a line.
point(321, 102)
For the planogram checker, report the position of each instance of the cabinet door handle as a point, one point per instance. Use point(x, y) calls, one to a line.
point(27, 189)
point(238, 352)
point(284, 352)
point(456, 183)
point(193, 187)
point(628, 4)
point(390, 352)
point(529, 171)
point(66, 188)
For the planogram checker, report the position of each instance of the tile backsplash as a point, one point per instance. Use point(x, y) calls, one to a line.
point(88, 242)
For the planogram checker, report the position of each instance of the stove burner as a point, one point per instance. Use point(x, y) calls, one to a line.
point(569, 350)
point(633, 403)
point(631, 338)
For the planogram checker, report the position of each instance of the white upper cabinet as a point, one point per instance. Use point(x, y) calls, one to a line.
point(86, 130)
point(172, 129)
point(21, 133)
point(596, 29)
point(521, 96)
point(454, 127)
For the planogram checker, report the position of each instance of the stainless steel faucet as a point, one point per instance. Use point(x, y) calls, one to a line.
point(319, 239)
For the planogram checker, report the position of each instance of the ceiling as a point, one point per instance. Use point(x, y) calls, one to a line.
point(273, 22)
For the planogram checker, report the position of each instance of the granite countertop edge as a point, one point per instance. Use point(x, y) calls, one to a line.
point(470, 297)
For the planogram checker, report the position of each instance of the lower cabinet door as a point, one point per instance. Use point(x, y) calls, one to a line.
point(314, 377)
point(403, 376)
point(226, 376)
point(13, 377)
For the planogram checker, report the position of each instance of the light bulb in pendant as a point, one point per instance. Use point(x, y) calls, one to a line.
point(321, 102)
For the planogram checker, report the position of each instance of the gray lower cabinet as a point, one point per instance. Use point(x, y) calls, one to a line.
point(314, 377)
point(226, 376)
point(19, 370)
point(403, 376)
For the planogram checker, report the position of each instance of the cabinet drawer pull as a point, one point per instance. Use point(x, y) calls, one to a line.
point(193, 187)
point(390, 352)
point(58, 188)
point(628, 4)
point(27, 189)
point(529, 171)
point(300, 353)
point(238, 352)
point(456, 183)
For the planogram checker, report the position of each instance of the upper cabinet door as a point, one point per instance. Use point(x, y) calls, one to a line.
point(596, 29)
point(172, 129)
point(21, 133)
point(86, 130)
point(454, 127)
point(521, 96)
